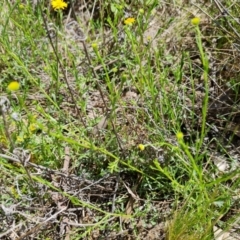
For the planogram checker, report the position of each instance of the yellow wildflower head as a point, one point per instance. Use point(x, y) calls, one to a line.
point(22, 6)
point(13, 86)
point(141, 147)
point(179, 136)
point(94, 46)
point(149, 38)
point(195, 21)
point(19, 139)
point(32, 127)
point(129, 21)
point(58, 4)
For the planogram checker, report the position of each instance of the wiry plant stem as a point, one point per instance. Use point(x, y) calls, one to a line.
point(102, 96)
point(62, 69)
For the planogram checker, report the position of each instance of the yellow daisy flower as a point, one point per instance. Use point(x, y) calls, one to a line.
point(195, 21)
point(19, 139)
point(179, 136)
point(141, 147)
point(13, 86)
point(95, 46)
point(129, 21)
point(32, 127)
point(22, 6)
point(58, 4)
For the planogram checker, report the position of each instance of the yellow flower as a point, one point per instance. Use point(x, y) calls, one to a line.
point(141, 147)
point(179, 136)
point(94, 46)
point(129, 21)
point(149, 38)
point(195, 21)
point(13, 86)
point(32, 127)
point(19, 139)
point(58, 4)
point(22, 6)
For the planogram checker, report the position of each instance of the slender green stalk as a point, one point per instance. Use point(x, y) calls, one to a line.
point(206, 89)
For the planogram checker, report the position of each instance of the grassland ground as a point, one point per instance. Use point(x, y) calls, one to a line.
point(119, 120)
